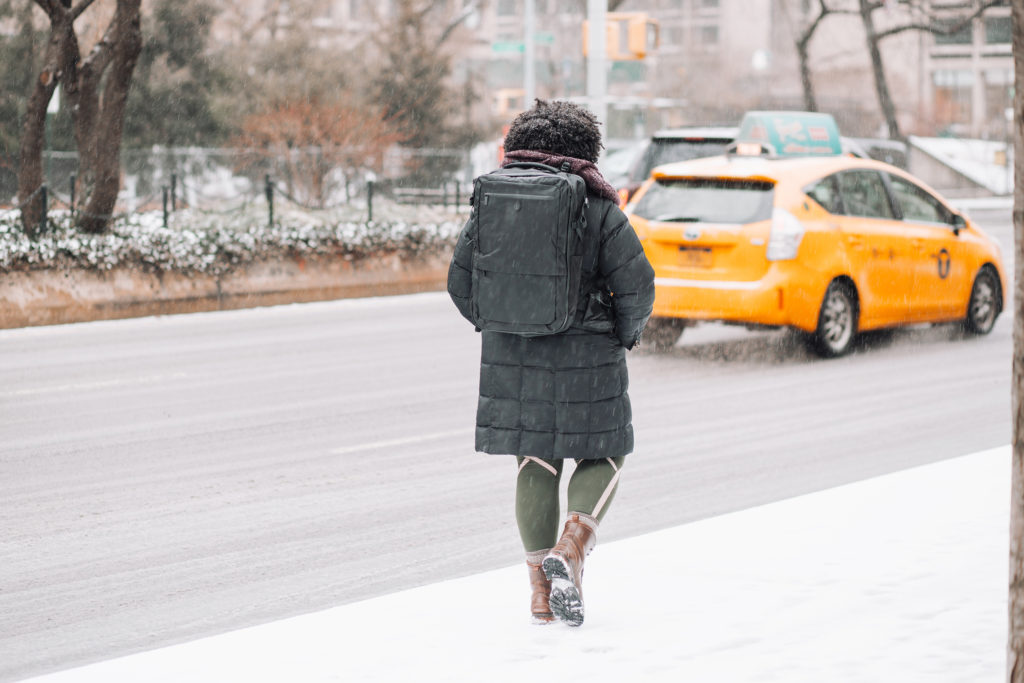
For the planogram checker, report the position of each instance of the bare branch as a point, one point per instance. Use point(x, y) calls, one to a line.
point(81, 7)
point(938, 27)
point(808, 33)
point(466, 13)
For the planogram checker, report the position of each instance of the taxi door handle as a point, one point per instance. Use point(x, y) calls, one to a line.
point(917, 243)
point(855, 241)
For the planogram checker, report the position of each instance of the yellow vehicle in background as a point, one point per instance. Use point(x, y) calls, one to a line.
point(828, 244)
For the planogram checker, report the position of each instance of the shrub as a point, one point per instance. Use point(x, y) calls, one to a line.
point(197, 242)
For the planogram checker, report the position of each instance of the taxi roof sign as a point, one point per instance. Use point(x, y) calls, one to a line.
point(792, 133)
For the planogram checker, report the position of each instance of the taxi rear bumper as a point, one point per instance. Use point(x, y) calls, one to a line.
point(787, 295)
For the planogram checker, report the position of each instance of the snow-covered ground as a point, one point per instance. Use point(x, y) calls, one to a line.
point(900, 578)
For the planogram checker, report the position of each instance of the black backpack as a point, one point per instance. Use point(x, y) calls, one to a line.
point(528, 248)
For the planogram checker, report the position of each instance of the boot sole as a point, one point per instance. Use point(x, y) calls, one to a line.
point(565, 600)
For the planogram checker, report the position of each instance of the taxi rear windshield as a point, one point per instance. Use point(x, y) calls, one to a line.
point(707, 201)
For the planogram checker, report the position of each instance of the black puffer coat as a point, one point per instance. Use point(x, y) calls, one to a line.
point(564, 395)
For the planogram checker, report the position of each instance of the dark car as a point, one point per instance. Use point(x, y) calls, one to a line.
point(669, 146)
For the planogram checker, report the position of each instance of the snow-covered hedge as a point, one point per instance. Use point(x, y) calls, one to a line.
point(197, 242)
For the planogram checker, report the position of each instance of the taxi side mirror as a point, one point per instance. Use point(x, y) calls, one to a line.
point(959, 223)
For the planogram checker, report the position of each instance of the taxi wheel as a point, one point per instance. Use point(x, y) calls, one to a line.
point(837, 321)
point(663, 333)
point(983, 307)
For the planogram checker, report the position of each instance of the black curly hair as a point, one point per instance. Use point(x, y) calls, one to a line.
point(558, 127)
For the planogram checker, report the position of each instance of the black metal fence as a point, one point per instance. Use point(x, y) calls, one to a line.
point(221, 181)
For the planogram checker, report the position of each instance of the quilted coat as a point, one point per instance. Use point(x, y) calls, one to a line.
point(565, 395)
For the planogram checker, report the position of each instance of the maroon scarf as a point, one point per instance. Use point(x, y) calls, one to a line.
point(585, 169)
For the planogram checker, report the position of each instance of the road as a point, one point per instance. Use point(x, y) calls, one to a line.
point(165, 479)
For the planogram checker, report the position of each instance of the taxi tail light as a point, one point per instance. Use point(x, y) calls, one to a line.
point(624, 195)
point(787, 233)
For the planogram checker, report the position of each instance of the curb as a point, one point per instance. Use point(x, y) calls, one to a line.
point(56, 297)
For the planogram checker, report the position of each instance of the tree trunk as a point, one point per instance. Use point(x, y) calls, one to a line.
point(33, 130)
point(810, 102)
point(1015, 659)
point(878, 69)
point(98, 119)
point(103, 137)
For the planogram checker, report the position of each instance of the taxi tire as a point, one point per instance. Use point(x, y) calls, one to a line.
point(984, 304)
point(837, 321)
point(663, 333)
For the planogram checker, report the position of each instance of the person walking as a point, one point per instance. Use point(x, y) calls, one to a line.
point(550, 398)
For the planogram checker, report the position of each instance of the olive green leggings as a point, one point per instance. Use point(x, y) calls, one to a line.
point(591, 488)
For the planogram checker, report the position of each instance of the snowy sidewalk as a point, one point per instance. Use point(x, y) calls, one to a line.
point(900, 578)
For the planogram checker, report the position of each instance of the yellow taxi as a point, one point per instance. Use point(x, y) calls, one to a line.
point(830, 244)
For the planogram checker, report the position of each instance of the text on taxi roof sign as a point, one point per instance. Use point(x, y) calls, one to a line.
point(792, 133)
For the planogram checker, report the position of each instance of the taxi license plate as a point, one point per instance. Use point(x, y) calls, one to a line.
point(695, 257)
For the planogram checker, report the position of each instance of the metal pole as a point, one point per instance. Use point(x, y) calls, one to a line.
point(71, 191)
point(164, 188)
point(269, 189)
point(597, 62)
point(369, 201)
point(43, 198)
point(529, 60)
point(174, 192)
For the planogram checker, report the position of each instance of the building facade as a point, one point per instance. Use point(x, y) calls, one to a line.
point(716, 59)
point(719, 58)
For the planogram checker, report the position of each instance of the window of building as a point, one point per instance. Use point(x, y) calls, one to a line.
point(541, 6)
point(506, 7)
point(963, 36)
point(709, 3)
point(952, 89)
point(998, 96)
point(709, 35)
point(998, 30)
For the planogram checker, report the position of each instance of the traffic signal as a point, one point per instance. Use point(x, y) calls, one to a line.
point(629, 36)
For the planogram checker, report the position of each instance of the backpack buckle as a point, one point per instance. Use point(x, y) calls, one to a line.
point(566, 167)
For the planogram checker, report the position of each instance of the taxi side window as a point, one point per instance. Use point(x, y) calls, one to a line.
point(864, 194)
point(915, 203)
point(826, 193)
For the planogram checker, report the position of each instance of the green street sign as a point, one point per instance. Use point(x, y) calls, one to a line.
point(507, 46)
point(542, 38)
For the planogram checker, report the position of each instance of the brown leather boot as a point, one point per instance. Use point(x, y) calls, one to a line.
point(563, 567)
point(541, 590)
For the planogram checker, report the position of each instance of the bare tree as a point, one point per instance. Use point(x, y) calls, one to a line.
point(930, 22)
point(802, 41)
point(410, 82)
point(312, 139)
point(96, 89)
point(1015, 659)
